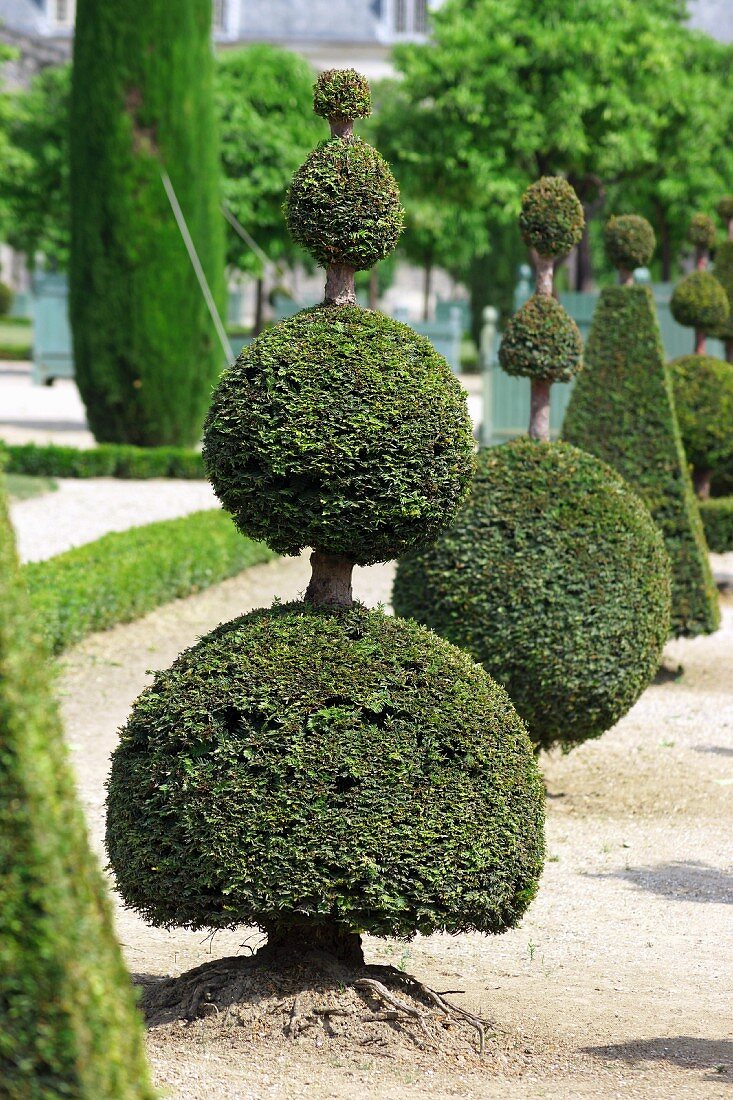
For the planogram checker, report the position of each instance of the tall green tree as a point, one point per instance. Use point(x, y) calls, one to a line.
point(34, 190)
point(264, 97)
point(69, 1023)
point(142, 103)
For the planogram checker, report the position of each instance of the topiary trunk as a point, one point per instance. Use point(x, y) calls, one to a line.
point(145, 348)
point(69, 1024)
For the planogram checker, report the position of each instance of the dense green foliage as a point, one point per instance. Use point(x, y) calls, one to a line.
point(343, 430)
point(717, 519)
point(703, 396)
point(551, 218)
point(142, 102)
point(345, 766)
point(629, 241)
point(343, 205)
point(125, 574)
point(702, 232)
point(69, 1025)
point(263, 99)
point(724, 275)
point(555, 578)
point(35, 188)
point(542, 341)
point(106, 460)
point(724, 207)
point(700, 301)
point(622, 411)
point(342, 94)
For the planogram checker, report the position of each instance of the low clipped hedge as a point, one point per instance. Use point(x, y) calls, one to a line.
point(105, 460)
point(126, 574)
point(328, 765)
point(717, 519)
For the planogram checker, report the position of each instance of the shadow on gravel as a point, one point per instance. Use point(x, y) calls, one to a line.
point(684, 880)
point(46, 425)
point(717, 750)
point(715, 1055)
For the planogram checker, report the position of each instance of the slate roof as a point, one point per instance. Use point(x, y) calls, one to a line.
point(22, 15)
point(312, 20)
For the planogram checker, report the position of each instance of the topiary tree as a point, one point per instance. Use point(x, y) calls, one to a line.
point(622, 411)
point(553, 576)
point(69, 1023)
point(145, 348)
point(630, 243)
point(699, 300)
point(318, 769)
point(703, 397)
point(724, 273)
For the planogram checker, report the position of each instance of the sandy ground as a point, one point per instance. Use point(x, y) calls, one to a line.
point(617, 984)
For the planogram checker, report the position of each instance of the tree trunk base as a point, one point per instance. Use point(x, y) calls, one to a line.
point(330, 583)
point(702, 480)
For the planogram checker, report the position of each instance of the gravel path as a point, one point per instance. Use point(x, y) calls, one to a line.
point(617, 984)
point(83, 510)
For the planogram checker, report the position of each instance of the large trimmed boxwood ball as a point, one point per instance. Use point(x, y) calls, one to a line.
point(555, 578)
point(341, 766)
point(551, 219)
point(343, 205)
point(629, 241)
point(542, 341)
point(700, 301)
point(703, 397)
point(342, 93)
point(343, 430)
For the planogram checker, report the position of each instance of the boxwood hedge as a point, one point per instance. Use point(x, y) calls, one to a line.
point(125, 574)
point(342, 766)
point(69, 1026)
point(104, 460)
point(622, 411)
point(555, 578)
point(717, 518)
point(343, 430)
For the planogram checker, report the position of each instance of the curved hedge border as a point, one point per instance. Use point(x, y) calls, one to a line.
point(125, 574)
point(105, 460)
point(717, 519)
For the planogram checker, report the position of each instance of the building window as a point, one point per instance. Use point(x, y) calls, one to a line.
point(220, 15)
point(63, 12)
point(421, 17)
point(410, 16)
point(400, 16)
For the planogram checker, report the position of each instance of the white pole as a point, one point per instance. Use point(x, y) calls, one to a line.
point(196, 263)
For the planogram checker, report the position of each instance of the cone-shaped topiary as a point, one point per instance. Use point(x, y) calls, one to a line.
point(703, 396)
point(699, 301)
point(622, 411)
point(554, 575)
point(69, 1024)
point(390, 789)
point(630, 243)
point(331, 770)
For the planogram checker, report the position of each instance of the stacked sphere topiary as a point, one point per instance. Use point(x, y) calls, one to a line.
point(700, 302)
point(542, 341)
point(702, 231)
point(319, 769)
point(629, 241)
point(553, 576)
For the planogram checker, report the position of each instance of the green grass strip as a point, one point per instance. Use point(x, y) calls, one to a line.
point(125, 574)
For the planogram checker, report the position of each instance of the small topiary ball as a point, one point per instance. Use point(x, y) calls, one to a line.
point(343, 205)
point(702, 232)
point(342, 93)
point(343, 430)
point(542, 341)
point(700, 302)
point(342, 766)
point(724, 208)
point(629, 241)
point(556, 579)
point(551, 219)
point(703, 397)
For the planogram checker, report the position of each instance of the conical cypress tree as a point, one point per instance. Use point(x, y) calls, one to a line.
point(622, 410)
point(68, 1025)
point(319, 769)
point(145, 349)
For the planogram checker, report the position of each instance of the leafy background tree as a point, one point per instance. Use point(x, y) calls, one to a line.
point(264, 99)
